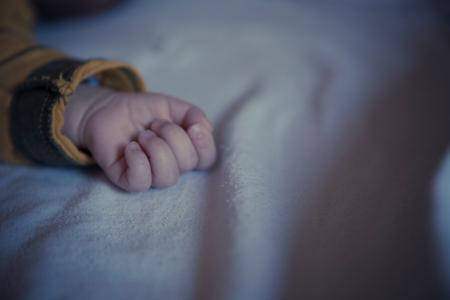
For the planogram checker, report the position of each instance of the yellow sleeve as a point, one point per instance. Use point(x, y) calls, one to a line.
point(35, 85)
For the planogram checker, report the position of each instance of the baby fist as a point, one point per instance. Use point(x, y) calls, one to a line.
point(140, 139)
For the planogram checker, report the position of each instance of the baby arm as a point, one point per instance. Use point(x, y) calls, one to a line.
point(139, 139)
point(47, 116)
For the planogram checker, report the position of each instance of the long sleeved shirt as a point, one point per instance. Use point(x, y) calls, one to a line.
point(35, 86)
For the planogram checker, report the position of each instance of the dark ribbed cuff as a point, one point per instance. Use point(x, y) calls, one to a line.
point(31, 113)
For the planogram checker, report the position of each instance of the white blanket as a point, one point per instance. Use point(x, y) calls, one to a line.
point(332, 122)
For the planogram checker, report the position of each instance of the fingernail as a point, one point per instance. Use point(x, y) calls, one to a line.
point(133, 146)
point(196, 131)
point(147, 135)
point(156, 124)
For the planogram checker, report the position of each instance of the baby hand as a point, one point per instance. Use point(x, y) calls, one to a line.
point(139, 139)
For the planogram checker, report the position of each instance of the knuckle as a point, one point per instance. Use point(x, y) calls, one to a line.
point(166, 180)
point(189, 162)
point(208, 161)
point(138, 188)
point(160, 99)
point(171, 129)
point(197, 110)
point(158, 144)
point(172, 180)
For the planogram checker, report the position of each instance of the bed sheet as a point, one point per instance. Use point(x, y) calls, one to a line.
point(332, 122)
